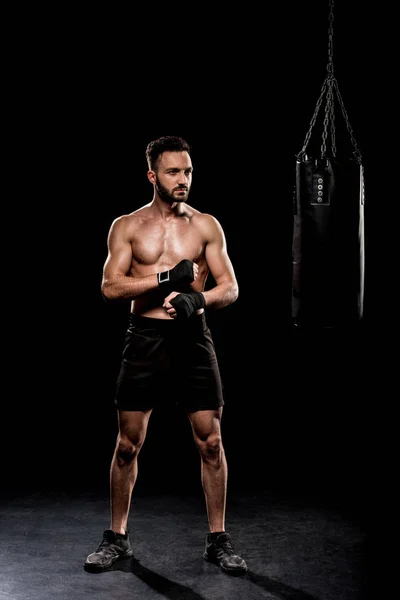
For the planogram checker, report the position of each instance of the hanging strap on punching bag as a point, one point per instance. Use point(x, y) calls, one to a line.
point(328, 248)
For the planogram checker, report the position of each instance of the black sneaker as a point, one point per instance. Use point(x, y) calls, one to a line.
point(221, 553)
point(114, 546)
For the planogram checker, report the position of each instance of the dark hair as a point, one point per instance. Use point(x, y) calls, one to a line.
point(167, 143)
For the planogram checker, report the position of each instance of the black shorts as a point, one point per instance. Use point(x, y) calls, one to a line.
point(169, 361)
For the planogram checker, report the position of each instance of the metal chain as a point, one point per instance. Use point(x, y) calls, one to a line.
point(313, 119)
point(330, 39)
point(333, 132)
point(329, 97)
point(329, 86)
point(328, 115)
point(356, 152)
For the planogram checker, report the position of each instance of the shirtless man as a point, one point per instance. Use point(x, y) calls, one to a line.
point(159, 256)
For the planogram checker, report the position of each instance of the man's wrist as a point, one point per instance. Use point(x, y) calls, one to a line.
point(199, 299)
point(163, 277)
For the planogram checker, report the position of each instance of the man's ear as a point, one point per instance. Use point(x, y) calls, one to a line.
point(151, 176)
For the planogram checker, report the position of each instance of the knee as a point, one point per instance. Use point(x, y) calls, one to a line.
point(211, 449)
point(127, 450)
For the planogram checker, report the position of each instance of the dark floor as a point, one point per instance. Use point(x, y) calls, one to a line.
point(296, 548)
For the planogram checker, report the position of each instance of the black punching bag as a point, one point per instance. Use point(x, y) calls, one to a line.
point(328, 250)
point(328, 243)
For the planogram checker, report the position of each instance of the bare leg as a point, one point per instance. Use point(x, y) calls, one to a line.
point(206, 426)
point(124, 465)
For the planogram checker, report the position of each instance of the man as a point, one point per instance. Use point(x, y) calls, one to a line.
point(159, 256)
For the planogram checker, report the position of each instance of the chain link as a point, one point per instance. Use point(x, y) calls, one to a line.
point(356, 151)
point(330, 88)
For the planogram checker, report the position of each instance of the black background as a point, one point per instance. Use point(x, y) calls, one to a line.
point(241, 86)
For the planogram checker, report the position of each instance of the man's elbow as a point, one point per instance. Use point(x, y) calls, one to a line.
point(234, 291)
point(108, 290)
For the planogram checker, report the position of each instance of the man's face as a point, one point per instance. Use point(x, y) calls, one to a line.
point(173, 177)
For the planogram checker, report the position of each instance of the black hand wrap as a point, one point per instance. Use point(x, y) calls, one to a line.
point(181, 273)
point(186, 304)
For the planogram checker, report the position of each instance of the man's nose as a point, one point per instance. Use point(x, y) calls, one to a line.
point(182, 179)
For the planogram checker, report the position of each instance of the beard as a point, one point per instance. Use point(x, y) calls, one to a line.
point(168, 195)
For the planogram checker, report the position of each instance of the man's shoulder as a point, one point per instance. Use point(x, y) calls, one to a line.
point(198, 216)
point(133, 217)
point(207, 221)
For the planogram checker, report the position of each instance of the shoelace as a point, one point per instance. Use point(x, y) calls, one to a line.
point(225, 548)
point(108, 548)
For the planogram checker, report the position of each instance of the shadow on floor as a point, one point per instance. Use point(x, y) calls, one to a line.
point(296, 549)
point(168, 588)
point(275, 587)
point(176, 591)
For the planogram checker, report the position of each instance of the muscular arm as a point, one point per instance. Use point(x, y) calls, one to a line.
point(116, 284)
point(226, 290)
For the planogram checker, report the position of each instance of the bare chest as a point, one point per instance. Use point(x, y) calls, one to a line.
point(164, 244)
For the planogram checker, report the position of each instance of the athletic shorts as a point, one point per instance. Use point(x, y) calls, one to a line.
point(168, 362)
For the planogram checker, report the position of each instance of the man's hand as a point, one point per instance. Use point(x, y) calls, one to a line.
point(184, 272)
point(182, 306)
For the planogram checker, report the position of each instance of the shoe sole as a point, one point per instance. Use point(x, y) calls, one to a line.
point(235, 572)
point(99, 568)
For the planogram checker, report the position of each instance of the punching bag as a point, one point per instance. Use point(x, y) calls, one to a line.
point(328, 243)
point(328, 249)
